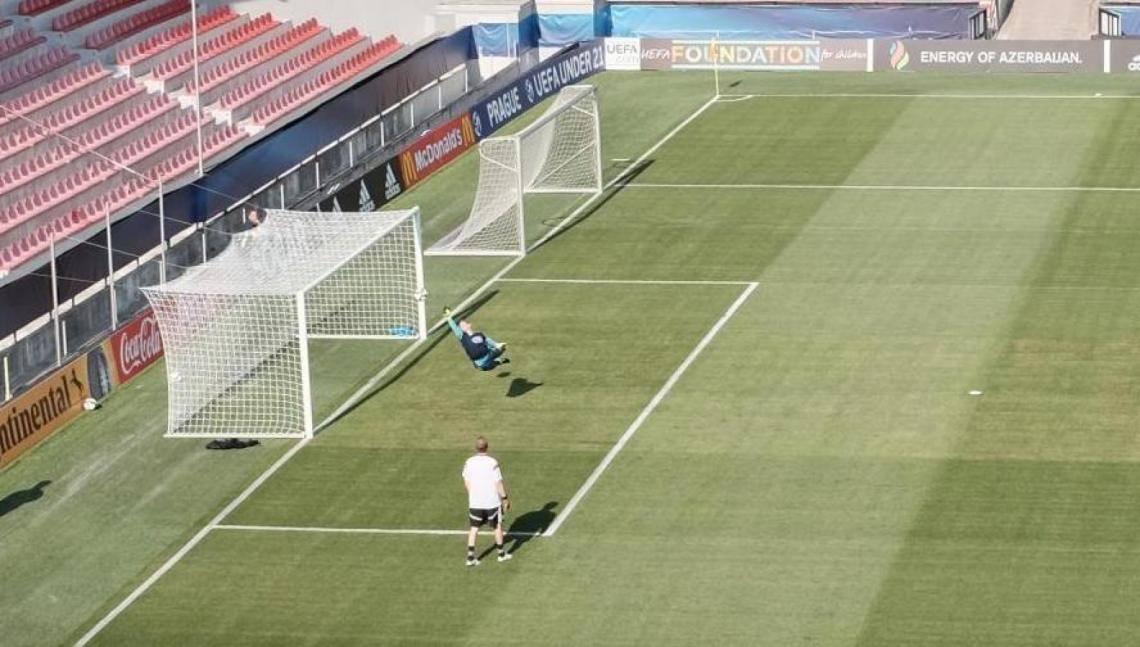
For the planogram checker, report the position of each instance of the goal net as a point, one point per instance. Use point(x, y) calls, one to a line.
point(236, 329)
point(559, 153)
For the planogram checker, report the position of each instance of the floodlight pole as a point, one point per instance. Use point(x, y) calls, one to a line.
point(161, 231)
point(197, 83)
point(111, 271)
point(55, 301)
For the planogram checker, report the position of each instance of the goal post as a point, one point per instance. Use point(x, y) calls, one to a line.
point(560, 152)
point(236, 329)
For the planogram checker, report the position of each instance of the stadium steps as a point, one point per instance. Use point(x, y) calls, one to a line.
point(259, 60)
point(42, 68)
point(262, 67)
point(20, 43)
point(234, 101)
point(174, 72)
point(137, 26)
point(138, 58)
point(301, 98)
point(43, 96)
point(28, 207)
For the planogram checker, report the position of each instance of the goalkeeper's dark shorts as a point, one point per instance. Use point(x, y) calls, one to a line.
point(488, 361)
point(480, 516)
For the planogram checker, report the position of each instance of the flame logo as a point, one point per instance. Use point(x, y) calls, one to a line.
point(899, 58)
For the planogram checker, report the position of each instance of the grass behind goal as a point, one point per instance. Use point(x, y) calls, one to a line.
point(819, 475)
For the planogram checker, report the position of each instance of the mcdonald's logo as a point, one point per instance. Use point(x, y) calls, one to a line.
point(436, 149)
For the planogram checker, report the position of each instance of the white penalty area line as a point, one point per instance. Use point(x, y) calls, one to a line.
point(623, 281)
point(367, 388)
point(648, 410)
point(883, 187)
point(364, 531)
point(730, 98)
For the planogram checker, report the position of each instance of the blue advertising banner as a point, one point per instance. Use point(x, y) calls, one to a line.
point(563, 29)
point(544, 80)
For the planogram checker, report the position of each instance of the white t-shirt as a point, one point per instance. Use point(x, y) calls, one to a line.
point(483, 475)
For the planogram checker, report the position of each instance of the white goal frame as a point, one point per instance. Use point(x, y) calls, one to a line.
point(529, 161)
point(236, 329)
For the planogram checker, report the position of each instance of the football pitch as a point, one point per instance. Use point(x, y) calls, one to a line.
point(739, 409)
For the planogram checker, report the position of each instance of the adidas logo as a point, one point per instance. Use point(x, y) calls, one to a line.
point(392, 186)
point(366, 201)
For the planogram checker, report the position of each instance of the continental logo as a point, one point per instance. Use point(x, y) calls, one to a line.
point(436, 149)
point(32, 417)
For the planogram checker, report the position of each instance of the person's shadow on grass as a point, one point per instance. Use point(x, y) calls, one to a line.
point(531, 524)
point(22, 497)
point(520, 386)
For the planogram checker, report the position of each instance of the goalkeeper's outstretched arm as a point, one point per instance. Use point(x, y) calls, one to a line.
point(455, 329)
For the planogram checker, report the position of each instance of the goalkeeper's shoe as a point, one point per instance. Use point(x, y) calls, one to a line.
point(472, 562)
point(505, 556)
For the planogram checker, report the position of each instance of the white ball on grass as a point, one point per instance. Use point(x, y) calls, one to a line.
point(90, 404)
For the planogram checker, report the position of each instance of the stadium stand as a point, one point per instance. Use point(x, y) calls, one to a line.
point(88, 87)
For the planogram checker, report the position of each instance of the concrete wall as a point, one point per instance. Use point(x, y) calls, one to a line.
point(410, 20)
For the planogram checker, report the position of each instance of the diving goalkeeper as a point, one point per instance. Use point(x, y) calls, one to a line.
point(485, 353)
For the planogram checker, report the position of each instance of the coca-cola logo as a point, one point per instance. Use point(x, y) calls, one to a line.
point(138, 346)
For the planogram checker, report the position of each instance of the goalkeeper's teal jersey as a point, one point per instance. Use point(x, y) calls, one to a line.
point(475, 345)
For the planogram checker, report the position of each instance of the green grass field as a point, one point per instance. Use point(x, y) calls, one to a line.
point(806, 467)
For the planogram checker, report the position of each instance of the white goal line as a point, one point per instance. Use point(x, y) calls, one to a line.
point(623, 281)
point(902, 95)
point(658, 398)
point(365, 531)
point(883, 187)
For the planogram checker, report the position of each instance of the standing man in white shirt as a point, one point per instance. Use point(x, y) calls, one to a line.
point(486, 499)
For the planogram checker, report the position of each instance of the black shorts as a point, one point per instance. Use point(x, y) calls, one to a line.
point(480, 516)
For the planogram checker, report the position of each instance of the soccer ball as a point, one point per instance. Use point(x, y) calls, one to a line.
point(90, 404)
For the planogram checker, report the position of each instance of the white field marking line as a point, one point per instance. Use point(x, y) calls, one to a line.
point(174, 559)
point(189, 545)
point(899, 95)
point(885, 187)
point(649, 408)
point(364, 531)
point(623, 281)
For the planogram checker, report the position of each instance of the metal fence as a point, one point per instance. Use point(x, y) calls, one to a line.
point(74, 325)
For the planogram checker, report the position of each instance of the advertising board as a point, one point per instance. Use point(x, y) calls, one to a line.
point(135, 346)
point(989, 56)
point(377, 188)
point(1125, 56)
point(809, 55)
point(436, 149)
point(542, 81)
point(28, 419)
